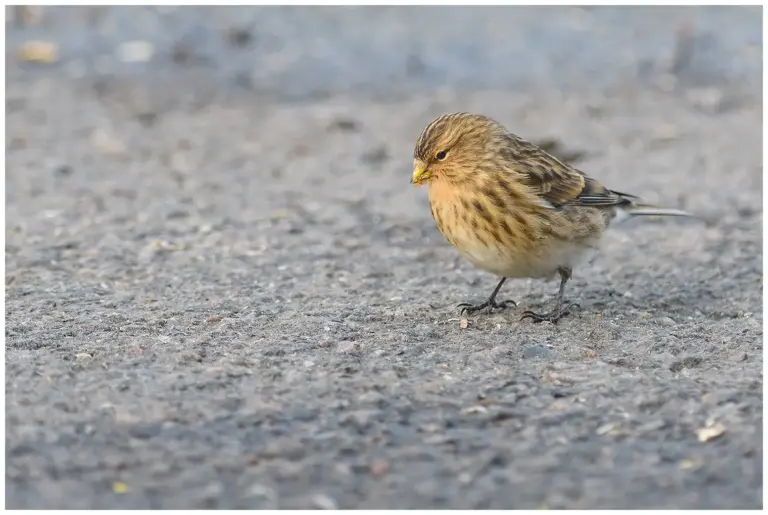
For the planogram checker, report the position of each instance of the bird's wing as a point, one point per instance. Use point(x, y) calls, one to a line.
point(557, 183)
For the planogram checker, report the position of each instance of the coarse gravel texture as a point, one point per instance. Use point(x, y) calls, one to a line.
point(221, 299)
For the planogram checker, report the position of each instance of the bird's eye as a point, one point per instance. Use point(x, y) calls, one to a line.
point(441, 155)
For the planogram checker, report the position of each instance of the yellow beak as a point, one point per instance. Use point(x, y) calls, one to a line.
point(420, 172)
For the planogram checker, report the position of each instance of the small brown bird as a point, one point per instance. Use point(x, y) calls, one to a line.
point(511, 208)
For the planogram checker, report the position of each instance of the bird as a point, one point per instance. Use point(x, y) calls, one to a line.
point(512, 209)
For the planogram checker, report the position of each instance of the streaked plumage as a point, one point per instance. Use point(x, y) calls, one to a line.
point(511, 208)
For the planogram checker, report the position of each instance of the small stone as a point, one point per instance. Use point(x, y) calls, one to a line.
point(107, 143)
point(371, 397)
point(710, 432)
point(38, 52)
point(135, 51)
point(257, 490)
point(652, 426)
point(145, 431)
point(688, 464)
point(212, 490)
point(324, 502)
point(431, 428)
point(63, 170)
point(348, 347)
point(360, 420)
point(665, 359)
point(707, 98)
point(666, 132)
point(472, 410)
point(667, 322)
point(342, 470)
point(687, 362)
point(386, 375)
point(343, 125)
point(738, 357)
point(607, 428)
point(560, 405)
point(536, 351)
point(190, 357)
point(379, 468)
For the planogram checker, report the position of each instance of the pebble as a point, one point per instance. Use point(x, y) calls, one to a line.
point(190, 357)
point(667, 322)
point(348, 347)
point(665, 359)
point(379, 468)
point(536, 351)
point(652, 426)
point(135, 51)
point(686, 362)
point(324, 502)
point(258, 490)
point(38, 52)
point(372, 397)
point(710, 432)
point(738, 357)
point(344, 125)
point(360, 420)
point(107, 143)
point(666, 132)
point(63, 170)
point(707, 98)
point(144, 431)
point(472, 410)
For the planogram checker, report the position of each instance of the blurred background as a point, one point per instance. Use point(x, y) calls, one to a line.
point(308, 51)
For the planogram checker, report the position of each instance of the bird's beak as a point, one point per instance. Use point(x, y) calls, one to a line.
point(420, 173)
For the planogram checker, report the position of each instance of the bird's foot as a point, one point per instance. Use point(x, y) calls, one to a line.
point(552, 316)
point(488, 305)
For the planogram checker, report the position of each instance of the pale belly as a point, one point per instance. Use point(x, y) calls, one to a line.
point(541, 261)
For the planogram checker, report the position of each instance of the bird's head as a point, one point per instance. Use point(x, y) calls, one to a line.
point(456, 146)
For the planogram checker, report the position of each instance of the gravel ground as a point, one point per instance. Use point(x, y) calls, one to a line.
point(219, 298)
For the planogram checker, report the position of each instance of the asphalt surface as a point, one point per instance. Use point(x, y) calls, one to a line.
point(218, 296)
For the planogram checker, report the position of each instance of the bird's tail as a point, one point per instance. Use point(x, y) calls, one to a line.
point(632, 209)
point(651, 210)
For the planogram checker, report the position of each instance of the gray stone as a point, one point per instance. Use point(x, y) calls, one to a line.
point(536, 351)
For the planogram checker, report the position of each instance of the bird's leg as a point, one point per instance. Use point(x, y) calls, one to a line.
point(490, 303)
point(561, 309)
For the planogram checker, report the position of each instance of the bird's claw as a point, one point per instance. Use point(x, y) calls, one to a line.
point(467, 308)
point(552, 316)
